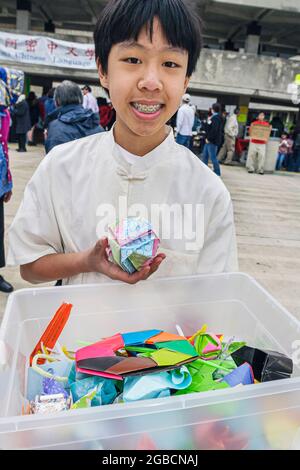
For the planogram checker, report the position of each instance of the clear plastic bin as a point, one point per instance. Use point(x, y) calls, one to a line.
point(263, 416)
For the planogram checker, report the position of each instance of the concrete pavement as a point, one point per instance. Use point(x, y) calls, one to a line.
point(267, 216)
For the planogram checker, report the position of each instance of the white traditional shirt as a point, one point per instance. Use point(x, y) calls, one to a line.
point(232, 126)
point(185, 120)
point(81, 186)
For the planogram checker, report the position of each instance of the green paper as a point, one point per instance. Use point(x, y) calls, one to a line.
point(139, 349)
point(137, 260)
point(203, 386)
point(163, 357)
point(180, 346)
point(212, 364)
point(86, 400)
point(233, 347)
point(116, 251)
point(202, 341)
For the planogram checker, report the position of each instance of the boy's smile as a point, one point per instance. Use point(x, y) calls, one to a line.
point(146, 81)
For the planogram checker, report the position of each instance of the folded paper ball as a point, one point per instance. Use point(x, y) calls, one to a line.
point(132, 244)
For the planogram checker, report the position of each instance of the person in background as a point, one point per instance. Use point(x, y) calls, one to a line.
point(5, 189)
point(230, 134)
point(89, 101)
point(257, 148)
point(49, 102)
point(197, 121)
point(213, 130)
point(23, 122)
point(185, 122)
point(277, 124)
point(34, 115)
point(107, 113)
point(69, 121)
point(285, 148)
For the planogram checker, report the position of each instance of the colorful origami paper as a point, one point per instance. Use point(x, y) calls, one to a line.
point(132, 244)
point(266, 365)
point(51, 386)
point(202, 377)
point(207, 345)
point(242, 375)
point(53, 331)
point(156, 385)
point(86, 400)
point(146, 352)
point(34, 387)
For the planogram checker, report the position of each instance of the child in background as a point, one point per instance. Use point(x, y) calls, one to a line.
point(285, 148)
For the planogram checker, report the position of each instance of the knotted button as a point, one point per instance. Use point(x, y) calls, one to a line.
point(129, 176)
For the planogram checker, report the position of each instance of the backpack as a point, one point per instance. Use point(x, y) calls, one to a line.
point(5, 184)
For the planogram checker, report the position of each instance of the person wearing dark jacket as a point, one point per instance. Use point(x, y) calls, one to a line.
point(69, 121)
point(213, 130)
point(23, 123)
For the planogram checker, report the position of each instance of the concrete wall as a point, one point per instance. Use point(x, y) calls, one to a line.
point(286, 5)
point(244, 74)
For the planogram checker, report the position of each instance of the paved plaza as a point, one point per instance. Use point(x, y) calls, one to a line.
point(267, 216)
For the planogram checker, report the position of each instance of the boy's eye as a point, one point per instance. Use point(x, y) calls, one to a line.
point(132, 60)
point(171, 65)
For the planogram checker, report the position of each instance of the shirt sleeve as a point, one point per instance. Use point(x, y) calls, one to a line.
point(219, 252)
point(34, 231)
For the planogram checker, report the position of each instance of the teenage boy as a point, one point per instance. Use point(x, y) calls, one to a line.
point(146, 52)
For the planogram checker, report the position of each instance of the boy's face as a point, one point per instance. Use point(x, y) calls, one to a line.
point(261, 116)
point(146, 81)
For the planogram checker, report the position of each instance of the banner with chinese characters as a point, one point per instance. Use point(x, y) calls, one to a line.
point(46, 51)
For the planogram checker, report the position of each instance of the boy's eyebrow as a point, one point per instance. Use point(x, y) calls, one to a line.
point(128, 44)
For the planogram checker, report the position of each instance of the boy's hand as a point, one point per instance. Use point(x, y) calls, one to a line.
point(97, 261)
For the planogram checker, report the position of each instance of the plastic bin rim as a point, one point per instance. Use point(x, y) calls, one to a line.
point(40, 290)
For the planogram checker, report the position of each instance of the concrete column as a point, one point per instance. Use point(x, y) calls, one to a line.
point(23, 15)
point(252, 44)
point(253, 38)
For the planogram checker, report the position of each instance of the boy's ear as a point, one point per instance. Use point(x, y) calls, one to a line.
point(102, 75)
point(186, 83)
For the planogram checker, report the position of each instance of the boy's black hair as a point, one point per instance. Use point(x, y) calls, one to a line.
point(122, 20)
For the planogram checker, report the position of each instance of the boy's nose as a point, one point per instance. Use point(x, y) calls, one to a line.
point(150, 81)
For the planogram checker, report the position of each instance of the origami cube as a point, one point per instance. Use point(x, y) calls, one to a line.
point(132, 244)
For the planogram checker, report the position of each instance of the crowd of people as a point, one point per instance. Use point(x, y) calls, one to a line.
point(65, 113)
point(219, 131)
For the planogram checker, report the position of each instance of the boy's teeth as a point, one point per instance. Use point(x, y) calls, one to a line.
point(143, 108)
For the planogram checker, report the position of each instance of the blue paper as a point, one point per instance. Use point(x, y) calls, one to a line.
point(156, 385)
point(81, 384)
point(52, 387)
point(241, 375)
point(35, 380)
point(138, 337)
